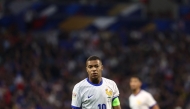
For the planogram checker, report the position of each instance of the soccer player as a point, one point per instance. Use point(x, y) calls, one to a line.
point(95, 91)
point(140, 99)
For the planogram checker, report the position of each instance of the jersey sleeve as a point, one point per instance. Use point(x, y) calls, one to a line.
point(150, 101)
point(116, 91)
point(76, 98)
point(129, 101)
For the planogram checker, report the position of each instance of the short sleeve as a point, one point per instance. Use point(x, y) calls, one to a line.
point(129, 101)
point(150, 100)
point(116, 91)
point(76, 99)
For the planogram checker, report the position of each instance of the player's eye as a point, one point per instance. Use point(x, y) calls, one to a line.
point(96, 66)
point(90, 66)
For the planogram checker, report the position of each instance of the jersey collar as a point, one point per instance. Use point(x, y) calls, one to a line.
point(137, 93)
point(93, 83)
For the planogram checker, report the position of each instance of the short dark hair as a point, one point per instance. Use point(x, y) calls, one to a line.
point(93, 58)
point(136, 76)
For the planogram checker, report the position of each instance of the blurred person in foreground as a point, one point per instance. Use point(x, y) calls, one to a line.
point(140, 99)
point(95, 92)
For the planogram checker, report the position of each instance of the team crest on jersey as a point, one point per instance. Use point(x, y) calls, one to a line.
point(138, 102)
point(74, 95)
point(109, 93)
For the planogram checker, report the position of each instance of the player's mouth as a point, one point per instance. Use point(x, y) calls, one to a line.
point(94, 74)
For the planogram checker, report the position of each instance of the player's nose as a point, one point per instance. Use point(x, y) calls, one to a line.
point(93, 69)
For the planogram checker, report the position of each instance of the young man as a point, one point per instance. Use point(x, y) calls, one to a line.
point(95, 92)
point(140, 99)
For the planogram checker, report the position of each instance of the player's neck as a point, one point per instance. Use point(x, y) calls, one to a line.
point(136, 92)
point(95, 81)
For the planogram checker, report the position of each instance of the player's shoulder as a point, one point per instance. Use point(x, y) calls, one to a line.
point(106, 80)
point(80, 83)
point(141, 93)
point(130, 96)
point(144, 92)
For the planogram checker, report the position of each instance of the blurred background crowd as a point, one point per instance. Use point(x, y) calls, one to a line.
point(44, 46)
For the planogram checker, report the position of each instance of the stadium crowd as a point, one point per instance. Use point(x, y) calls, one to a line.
point(39, 70)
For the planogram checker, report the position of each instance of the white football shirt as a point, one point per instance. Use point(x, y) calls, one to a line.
point(87, 95)
point(143, 100)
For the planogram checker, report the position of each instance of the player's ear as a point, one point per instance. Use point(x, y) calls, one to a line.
point(102, 67)
point(140, 83)
point(86, 68)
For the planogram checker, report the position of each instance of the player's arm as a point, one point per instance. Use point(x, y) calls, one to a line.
point(115, 100)
point(152, 102)
point(76, 98)
point(116, 103)
point(155, 107)
point(117, 107)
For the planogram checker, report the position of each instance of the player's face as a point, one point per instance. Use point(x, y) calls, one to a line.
point(135, 83)
point(94, 69)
